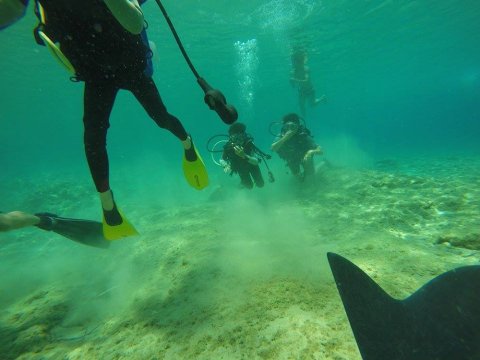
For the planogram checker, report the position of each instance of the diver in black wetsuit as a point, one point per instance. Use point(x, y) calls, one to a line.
point(296, 147)
point(103, 42)
point(239, 157)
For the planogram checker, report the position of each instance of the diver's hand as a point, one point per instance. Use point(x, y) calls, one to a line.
point(226, 167)
point(239, 151)
point(290, 133)
point(308, 155)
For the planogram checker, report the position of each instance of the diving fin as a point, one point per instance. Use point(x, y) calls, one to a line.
point(194, 168)
point(440, 321)
point(122, 227)
point(86, 232)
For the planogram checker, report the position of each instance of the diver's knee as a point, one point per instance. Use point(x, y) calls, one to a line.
point(94, 137)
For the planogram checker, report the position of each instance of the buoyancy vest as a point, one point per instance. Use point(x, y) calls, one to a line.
point(295, 148)
point(92, 39)
point(236, 162)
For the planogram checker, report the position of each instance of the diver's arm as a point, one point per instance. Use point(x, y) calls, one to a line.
point(16, 220)
point(127, 13)
point(317, 150)
point(279, 143)
point(252, 159)
point(240, 152)
point(310, 153)
point(10, 11)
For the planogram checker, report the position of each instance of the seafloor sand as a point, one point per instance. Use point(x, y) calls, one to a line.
point(243, 278)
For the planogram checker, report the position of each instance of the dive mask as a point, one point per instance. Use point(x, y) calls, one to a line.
point(237, 139)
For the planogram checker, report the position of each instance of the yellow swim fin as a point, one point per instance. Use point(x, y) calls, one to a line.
point(116, 232)
point(194, 168)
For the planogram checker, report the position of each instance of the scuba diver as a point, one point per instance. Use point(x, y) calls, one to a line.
point(295, 145)
point(103, 43)
point(240, 157)
point(300, 78)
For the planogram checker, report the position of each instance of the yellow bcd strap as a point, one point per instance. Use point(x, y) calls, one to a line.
point(54, 49)
point(43, 18)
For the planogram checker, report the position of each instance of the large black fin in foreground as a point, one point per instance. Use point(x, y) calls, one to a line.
point(440, 321)
point(86, 232)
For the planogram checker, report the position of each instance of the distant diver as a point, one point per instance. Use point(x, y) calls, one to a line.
point(440, 321)
point(295, 145)
point(240, 155)
point(104, 44)
point(85, 232)
point(300, 77)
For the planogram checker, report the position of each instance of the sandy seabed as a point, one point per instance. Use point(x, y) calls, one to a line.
point(242, 276)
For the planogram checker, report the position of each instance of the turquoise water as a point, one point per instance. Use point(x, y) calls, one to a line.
point(402, 82)
point(398, 76)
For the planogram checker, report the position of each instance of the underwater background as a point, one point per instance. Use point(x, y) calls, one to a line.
point(244, 275)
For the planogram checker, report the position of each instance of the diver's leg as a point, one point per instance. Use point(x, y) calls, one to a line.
point(309, 168)
point(312, 100)
point(301, 103)
point(16, 220)
point(257, 175)
point(98, 103)
point(295, 169)
point(246, 179)
point(148, 96)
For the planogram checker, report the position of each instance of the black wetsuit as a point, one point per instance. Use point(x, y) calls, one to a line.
point(107, 58)
point(245, 170)
point(293, 151)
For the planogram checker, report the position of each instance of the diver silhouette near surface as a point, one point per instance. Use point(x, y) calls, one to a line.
point(300, 78)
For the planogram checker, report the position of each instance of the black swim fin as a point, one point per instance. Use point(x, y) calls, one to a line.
point(86, 232)
point(440, 321)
